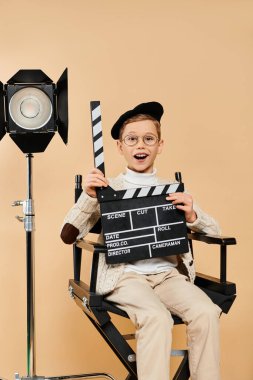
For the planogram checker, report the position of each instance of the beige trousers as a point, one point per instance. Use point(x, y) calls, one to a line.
point(149, 301)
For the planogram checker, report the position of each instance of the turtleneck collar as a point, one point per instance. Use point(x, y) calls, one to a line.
point(143, 179)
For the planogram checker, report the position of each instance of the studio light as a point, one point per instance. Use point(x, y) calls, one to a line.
point(33, 108)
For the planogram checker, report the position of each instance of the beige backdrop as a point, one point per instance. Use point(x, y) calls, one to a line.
point(196, 58)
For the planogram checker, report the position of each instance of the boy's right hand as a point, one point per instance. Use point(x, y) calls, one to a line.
point(94, 179)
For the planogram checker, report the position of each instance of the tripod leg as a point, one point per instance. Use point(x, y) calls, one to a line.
point(95, 375)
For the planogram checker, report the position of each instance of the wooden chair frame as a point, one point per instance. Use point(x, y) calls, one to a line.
point(97, 308)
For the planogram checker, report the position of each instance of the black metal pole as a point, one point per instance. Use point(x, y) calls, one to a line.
point(28, 210)
point(29, 227)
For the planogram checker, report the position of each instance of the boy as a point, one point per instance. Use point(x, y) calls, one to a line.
point(151, 290)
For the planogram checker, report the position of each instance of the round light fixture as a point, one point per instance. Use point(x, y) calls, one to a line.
point(33, 109)
point(30, 108)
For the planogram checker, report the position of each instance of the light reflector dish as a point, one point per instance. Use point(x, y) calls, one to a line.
point(30, 108)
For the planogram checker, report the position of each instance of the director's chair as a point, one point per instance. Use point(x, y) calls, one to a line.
point(97, 308)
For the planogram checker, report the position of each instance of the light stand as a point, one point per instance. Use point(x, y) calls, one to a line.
point(29, 225)
point(32, 109)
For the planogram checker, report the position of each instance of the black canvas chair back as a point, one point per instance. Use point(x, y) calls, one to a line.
point(97, 309)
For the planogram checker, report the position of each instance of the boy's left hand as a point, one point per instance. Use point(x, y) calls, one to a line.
point(184, 202)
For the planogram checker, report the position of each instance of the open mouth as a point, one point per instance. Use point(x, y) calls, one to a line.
point(140, 156)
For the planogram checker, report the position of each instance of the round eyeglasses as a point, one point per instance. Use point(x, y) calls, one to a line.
point(132, 140)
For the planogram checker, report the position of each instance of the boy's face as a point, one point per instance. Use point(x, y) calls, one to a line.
point(140, 157)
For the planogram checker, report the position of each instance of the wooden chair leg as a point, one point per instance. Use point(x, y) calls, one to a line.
point(183, 371)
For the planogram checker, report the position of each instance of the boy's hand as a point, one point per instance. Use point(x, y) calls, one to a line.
point(184, 202)
point(94, 179)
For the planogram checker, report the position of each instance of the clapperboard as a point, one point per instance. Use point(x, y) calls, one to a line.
point(137, 223)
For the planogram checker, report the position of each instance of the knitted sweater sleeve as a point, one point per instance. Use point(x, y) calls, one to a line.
point(204, 223)
point(80, 218)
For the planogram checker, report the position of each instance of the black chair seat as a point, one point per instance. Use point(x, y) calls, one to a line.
point(100, 303)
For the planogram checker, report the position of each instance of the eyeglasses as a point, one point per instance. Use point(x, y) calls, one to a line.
point(132, 140)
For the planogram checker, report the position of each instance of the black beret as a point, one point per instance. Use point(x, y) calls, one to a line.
point(153, 109)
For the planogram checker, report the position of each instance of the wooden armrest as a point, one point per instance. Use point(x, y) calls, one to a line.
point(223, 242)
point(212, 239)
point(205, 238)
point(91, 246)
point(213, 283)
